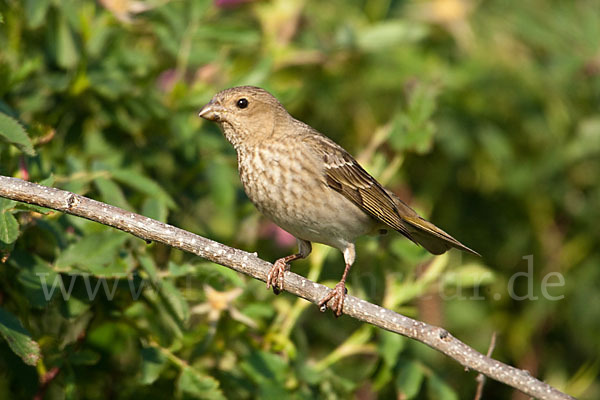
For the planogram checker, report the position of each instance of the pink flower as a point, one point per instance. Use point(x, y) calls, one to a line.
point(282, 238)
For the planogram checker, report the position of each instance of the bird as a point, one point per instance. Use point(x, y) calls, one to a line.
point(310, 186)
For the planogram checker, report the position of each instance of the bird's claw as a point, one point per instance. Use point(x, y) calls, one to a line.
point(338, 294)
point(275, 276)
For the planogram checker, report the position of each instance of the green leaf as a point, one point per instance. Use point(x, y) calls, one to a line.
point(221, 178)
point(265, 368)
point(49, 181)
point(77, 326)
point(66, 52)
point(149, 266)
point(153, 362)
point(96, 248)
point(218, 276)
point(406, 251)
point(390, 33)
point(34, 208)
point(469, 275)
point(194, 385)
point(308, 373)
point(6, 204)
point(36, 278)
point(175, 300)
point(259, 310)
point(222, 181)
point(437, 389)
point(84, 357)
point(586, 142)
point(177, 270)
point(117, 268)
point(268, 371)
point(413, 129)
point(409, 379)
point(111, 193)
point(155, 209)
point(13, 132)
point(390, 346)
point(18, 339)
point(144, 184)
point(9, 227)
point(35, 12)
point(113, 338)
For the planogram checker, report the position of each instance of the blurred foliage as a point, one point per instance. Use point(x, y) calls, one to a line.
point(483, 115)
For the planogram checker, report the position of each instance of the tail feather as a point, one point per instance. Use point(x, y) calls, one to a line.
point(423, 232)
point(432, 238)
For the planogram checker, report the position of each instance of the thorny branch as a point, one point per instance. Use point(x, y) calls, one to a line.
point(249, 264)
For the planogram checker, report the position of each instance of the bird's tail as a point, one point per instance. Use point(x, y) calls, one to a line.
point(432, 238)
point(423, 232)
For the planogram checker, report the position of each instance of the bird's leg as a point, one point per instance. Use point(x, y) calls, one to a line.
point(275, 276)
point(338, 293)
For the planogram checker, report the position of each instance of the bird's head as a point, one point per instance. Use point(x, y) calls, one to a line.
point(245, 113)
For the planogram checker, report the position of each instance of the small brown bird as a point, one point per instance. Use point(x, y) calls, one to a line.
point(310, 186)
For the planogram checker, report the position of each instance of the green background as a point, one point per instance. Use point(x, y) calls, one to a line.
point(485, 116)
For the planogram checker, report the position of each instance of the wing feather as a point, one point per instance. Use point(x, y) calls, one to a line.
point(344, 175)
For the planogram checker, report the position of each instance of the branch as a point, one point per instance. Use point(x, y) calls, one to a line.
point(249, 264)
point(480, 377)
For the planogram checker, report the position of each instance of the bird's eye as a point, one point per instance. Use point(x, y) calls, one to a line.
point(242, 103)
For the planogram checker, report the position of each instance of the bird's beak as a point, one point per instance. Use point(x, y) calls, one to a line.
point(212, 111)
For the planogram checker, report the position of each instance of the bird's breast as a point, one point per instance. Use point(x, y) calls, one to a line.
point(275, 179)
point(287, 185)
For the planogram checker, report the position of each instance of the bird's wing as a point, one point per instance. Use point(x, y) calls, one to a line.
point(345, 175)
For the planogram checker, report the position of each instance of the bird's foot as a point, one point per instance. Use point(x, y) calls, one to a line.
point(276, 275)
point(338, 293)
